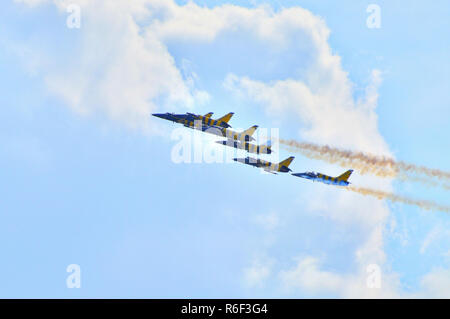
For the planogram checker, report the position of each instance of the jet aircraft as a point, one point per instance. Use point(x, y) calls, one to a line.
point(188, 119)
point(249, 147)
point(244, 136)
point(193, 121)
point(341, 180)
point(269, 167)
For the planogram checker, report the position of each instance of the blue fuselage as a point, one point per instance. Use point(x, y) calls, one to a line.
point(190, 119)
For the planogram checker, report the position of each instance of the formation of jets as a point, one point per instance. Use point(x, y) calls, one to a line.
point(240, 140)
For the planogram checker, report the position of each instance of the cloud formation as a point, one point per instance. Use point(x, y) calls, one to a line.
point(116, 68)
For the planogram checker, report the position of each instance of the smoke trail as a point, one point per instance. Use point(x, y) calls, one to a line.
point(368, 163)
point(363, 163)
point(424, 180)
point(427, 205)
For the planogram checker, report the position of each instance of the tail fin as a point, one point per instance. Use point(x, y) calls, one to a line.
point(208, 115)
point(250, 130)
point(287, 161)
point(226, 117)
point(346, 175)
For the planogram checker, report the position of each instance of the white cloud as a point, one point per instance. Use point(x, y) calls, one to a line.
point(31, 3)
point(436, 284)
point(118, 69)
point(192, 22)
point(308, 277)
point(430, 237)
point(258, 272)
point(327, 110)
point(437, 232)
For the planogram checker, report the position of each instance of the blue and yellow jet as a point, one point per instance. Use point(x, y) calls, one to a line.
point(249, 147)
point(244, 136)
point(219, 127)
point(341, 180)
point(188, 119)
point(269, 167)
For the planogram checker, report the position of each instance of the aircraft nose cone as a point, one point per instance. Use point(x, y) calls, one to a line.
point(165, 116)
point(160, 115)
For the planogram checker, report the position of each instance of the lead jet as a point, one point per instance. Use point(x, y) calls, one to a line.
point(341, 180)
point(269, 167)
point(188, 119)
point(194, 122)
point(249, 147)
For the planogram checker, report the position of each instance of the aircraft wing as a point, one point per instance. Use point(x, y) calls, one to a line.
point(231, 142)
point(302, 175)
point(269, 171)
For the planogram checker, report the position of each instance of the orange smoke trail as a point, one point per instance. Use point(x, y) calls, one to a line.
point(424, 204)
point(424, 180)
point(367, 163)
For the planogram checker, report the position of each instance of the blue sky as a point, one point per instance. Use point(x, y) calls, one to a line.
point(88, 177)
